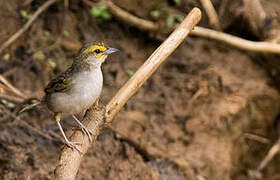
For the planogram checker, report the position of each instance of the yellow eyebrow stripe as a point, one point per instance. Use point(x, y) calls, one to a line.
point(92, 48)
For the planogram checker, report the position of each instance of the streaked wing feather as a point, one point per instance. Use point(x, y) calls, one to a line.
point(61, 83)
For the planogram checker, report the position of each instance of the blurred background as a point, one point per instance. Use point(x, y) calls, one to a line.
point(209, 112)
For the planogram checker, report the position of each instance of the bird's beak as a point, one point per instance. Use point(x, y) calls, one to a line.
point(110, 50)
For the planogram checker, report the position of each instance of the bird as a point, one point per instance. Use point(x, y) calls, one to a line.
point(79, 87)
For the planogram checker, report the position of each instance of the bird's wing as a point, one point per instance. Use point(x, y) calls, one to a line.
point(61, 83)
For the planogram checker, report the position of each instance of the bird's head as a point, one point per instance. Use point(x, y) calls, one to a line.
point(94, 54)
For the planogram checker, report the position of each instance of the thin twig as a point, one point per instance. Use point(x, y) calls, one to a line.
point(94, 119)
point(128, 18)
point(18, 120)
point(211, 13)
point(223, 8)
point(11, 87)
point(256, 138)
point(39, 132)
point(71, 45)
point(271, 153)
point(256, 15)
point(203, 89)
point(132, 20)
point(265, 47)
point(11, 98)
point(4, 88)
point(14, 37)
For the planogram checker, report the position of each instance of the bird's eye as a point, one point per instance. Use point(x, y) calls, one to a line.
point(97, 51)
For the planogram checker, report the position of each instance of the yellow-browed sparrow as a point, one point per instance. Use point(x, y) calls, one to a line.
point(79, 87)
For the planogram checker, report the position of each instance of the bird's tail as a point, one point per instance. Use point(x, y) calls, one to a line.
point(30, 106)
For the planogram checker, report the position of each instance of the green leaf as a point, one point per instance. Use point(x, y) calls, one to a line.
point(7, 103)
point(101, 13)
point(252, 110)
point(106, 16)
point(39, 55)
point(10, 105)
point(4, 101)
point(52, 63)
point(95, 11)
point(170, 21)
point(25, 15)
point(179, 18)
point(177, 2)
point(6, 57)
point(129, 72)
point(103, 8)
point(47, 33)
point(66, 33)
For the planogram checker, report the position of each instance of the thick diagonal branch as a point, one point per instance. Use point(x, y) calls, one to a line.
point(94, 119)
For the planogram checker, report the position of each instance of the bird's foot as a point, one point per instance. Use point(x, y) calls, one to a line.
point(87, 132)
point(74, 145)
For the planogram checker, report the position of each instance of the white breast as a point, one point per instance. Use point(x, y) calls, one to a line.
point(86, 89)
point(87, 86)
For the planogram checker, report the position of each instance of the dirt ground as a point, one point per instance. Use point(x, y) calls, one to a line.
point(209, 112)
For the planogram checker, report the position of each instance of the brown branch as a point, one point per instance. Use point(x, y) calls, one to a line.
point(37, 131)
point(14, 37)
point(94, 119)
point(271, 153)
point(11, 98)
point(211, 13)
point(147, 69)
point(70, 160)
point(125, 16)
point(256, 138)
point(130, 19)
point(265, 47)
point(256, 15)
point(12, 88)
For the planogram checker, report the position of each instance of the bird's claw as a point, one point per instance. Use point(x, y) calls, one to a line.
point(74, 145)
point(84, 129)
point(87, 132)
